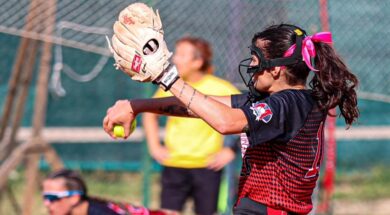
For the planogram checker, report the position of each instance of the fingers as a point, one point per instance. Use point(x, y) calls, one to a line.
point(161, 154)
point(119, 114)
point(215, 165)
point(107, 126)
point(221, 159)
point(159, 159)
point(108, 110)
point(127, 127)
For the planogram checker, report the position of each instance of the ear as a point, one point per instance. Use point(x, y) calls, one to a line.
point(197, 63)
point(276, 71)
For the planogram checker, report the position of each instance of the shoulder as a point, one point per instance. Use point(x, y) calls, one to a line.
point(100, 207)
point(288, 106)
point(292, 106)
point(291, 98)
point(279, 116)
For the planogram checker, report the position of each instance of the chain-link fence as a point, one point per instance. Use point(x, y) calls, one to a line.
point(80, 54)
point(84, 83)
point(359, 28)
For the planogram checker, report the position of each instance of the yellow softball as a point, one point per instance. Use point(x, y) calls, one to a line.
point(119, 131)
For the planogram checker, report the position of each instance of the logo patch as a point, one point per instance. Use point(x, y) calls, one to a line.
point(127, 20)
point(136, 64)
point(262, 111)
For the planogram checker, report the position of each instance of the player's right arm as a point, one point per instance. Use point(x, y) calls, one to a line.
point(216, 112)
point(172, 106)
point(123, 112)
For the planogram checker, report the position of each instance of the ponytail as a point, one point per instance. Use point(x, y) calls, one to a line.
point(334, 84)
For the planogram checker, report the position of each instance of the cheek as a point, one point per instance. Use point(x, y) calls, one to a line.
point(261, 82)
point(179, 59)
point(60, 208)
point(183, 66)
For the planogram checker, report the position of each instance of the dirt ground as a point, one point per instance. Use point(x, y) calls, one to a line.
point(374, 207)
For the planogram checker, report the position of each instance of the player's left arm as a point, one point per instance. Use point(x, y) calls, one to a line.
point(218, 114)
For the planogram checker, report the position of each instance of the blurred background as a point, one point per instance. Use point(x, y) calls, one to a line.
point(57, 79)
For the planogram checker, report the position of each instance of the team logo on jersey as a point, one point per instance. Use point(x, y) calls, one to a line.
point(262, 111)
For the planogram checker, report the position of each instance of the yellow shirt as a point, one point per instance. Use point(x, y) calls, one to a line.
point(191, 141)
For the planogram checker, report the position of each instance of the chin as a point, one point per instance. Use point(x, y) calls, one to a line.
point(53, 212)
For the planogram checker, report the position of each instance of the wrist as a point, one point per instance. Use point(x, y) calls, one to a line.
point(168, 78)
point(132, 109)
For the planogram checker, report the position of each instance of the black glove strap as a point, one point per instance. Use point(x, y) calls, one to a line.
point(170, 76)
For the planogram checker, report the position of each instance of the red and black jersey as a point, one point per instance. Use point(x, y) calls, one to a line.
point(280, 165)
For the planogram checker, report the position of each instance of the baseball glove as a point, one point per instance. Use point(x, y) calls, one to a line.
point(138, 43)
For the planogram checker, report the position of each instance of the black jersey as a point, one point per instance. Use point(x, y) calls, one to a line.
point(100, 207)
point(280, 165)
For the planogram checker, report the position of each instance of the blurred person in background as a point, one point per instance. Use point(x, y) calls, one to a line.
point(65, 193)
point(193, 153)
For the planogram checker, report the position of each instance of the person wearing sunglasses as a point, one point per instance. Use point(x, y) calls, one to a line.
point(65, 193)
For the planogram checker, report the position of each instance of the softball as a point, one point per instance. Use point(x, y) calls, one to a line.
point(119, 131)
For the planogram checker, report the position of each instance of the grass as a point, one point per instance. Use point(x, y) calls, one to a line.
point(367, 185)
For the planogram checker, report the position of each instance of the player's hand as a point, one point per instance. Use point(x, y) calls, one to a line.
point(138, 43)
point(121, 113)
point(221, 159)
point(159, 153)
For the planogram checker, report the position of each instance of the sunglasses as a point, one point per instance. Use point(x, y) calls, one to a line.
point(55, 196)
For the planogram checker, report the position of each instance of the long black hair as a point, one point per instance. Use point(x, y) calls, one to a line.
point(333, 85)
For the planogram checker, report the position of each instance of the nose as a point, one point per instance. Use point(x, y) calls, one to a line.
point(253, 63)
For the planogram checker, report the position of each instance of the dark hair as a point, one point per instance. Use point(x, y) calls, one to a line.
point(203, 51)
point(73, 180)
point(333, 85)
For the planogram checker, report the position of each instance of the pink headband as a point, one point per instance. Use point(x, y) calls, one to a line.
point(308, 49)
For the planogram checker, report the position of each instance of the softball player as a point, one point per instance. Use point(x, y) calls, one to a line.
point(282, 118)
point(65, 193)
